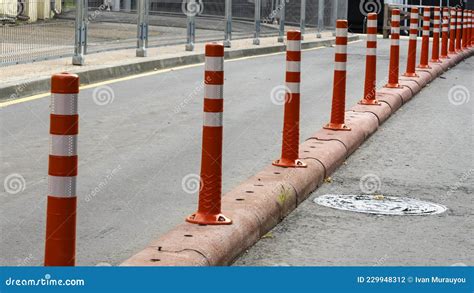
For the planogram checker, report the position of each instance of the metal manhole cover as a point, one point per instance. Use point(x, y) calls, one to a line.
point(379, 204)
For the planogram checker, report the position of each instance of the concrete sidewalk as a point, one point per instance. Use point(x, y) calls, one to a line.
point(33, 78)
point(423, 152)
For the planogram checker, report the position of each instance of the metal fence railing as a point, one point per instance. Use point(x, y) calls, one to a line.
point(32, 30)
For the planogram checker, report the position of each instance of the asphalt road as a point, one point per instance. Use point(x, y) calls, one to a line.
point(137, 145)
point(424, 152)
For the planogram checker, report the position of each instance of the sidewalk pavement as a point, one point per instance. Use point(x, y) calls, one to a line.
point(423, 152)
point(24, 80)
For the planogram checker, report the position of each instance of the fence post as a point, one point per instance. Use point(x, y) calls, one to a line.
point(302, 18)
point(142, 28)
point(320, 18)
point(256, 40)
point(228, 25)
point(281, 29)
point(80, 35)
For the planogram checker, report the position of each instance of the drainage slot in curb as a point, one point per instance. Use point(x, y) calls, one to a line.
point(248, 191)
point(379, 204)
point(188, 235)
point(239, 199)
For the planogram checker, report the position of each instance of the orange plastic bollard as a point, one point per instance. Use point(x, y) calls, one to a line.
point(469, 30)
point(291, 120)
point(339, 83)
point(371, 62)
point(411, 60)
point(60, 246)
point(444, 38)
point(452, 31)
point(465, 29)
point(394, 67)
point(436, 32)
point(425, 42)
point(458, 30)
point(210, 191)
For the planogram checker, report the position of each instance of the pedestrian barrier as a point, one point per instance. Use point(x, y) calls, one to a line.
point(436, 31)
point(445, 32)
point(210, 191)
point(425, 41)
point(370, 62)
point(394, 68)
point(411, 60)
point(63, 160)
point(291, 119)
point(339, 83)
point(62, 171)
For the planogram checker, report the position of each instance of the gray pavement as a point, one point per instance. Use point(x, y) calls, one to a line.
point(136, 147)
point(424, 152)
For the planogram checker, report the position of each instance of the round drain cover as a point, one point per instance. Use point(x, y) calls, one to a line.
point(379, 204)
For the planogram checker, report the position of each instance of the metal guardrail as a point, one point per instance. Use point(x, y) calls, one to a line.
point(77, 27)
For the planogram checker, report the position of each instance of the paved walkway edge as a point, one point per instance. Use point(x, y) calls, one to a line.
point(262, 201)
point(90, 76)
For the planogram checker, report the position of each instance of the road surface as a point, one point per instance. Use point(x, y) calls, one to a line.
point(424, 151)
point(140, 138)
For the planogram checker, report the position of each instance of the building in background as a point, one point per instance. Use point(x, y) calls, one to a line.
point(28, 10)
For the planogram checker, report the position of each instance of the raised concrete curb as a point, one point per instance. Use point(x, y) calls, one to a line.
point(89, 76)
point(262, 201)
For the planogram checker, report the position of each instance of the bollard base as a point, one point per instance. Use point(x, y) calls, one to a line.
point(410, 74)
point(289, 163)
point(444, 57)
point(318, 35)
point(393, 86)
point(436, 61)
point(208, 219)
point(256, 41)
point(424, 66)
point(281, 39)
point(226, 43)
point(337, 127)
point(369, 102)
